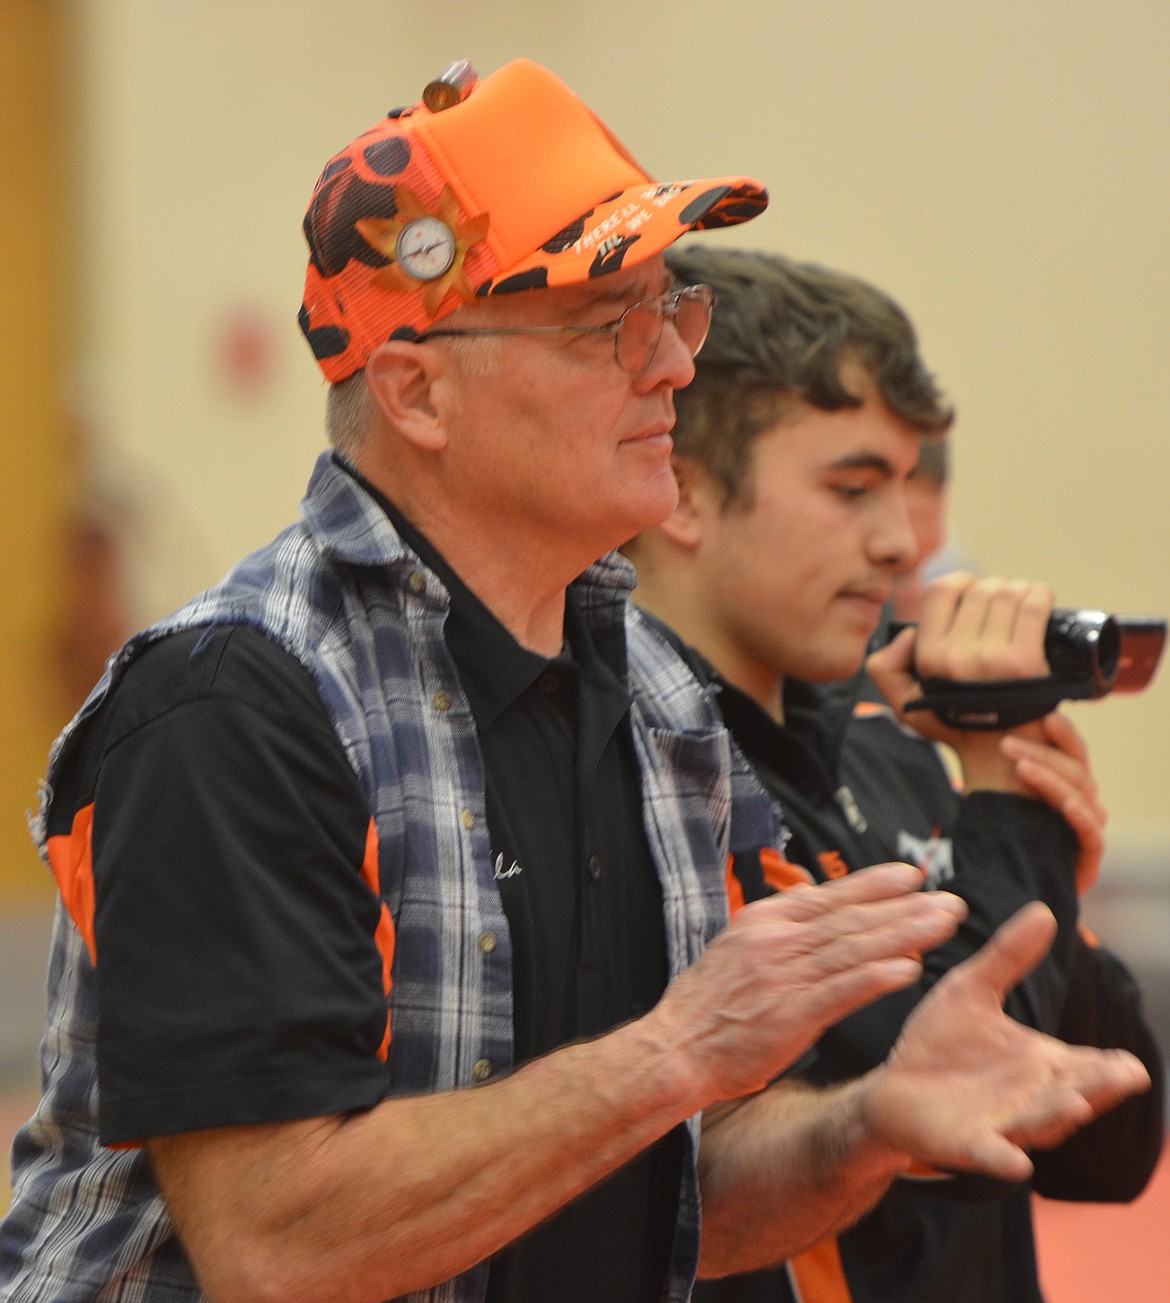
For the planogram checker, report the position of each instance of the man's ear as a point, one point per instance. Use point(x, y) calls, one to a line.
point(407, 382)
point(686, 525)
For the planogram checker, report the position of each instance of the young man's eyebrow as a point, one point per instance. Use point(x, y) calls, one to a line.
point(863, 461)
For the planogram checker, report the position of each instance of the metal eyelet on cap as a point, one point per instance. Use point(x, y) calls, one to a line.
point(452, 86)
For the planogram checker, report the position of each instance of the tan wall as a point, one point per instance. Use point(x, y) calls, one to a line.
point(1000, 167)
point(33, 217)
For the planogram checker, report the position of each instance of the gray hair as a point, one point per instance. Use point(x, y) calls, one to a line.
point(349, 413)
point(349, 406)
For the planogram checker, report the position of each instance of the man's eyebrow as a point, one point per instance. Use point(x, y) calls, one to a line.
point(863, 461)
point(632, 293)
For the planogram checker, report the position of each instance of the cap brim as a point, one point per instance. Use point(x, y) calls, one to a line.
point(630, 227)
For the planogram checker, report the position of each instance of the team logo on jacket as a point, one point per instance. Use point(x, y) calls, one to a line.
point(934, 855)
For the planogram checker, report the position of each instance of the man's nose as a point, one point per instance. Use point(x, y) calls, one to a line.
point(894, 543)
point(672, 361)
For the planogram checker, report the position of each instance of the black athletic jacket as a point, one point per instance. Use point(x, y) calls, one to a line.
point(856, 789)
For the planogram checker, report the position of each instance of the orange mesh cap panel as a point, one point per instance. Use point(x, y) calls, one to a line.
point(520, 181)
point(528, 152)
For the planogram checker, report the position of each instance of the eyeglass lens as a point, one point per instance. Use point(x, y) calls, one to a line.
point(641, 328)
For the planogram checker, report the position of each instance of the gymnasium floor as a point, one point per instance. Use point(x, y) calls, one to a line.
point(1094, 1253)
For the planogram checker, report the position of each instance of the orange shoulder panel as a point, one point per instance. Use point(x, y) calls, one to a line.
point(385, 935)
point(71, 859)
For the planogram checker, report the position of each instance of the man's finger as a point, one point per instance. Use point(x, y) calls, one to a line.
point(1064, 735)
point(879, 882)
point(1032, 607)
point(1105, 1077)
point(1013, 950)
point(1048, 755)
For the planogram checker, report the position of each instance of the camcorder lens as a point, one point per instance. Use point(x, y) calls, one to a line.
point(1089, 653)
point(1083, 645)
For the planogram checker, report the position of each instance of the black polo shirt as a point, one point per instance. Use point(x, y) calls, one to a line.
point(217, 761)
point(584, 911)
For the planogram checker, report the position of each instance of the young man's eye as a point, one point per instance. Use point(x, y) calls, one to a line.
point(850, 491)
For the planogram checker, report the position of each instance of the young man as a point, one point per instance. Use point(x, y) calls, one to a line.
point(796, 445)
point(394, 918)
point(926, 503)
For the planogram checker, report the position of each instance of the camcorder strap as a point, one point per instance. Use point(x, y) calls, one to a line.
point(996, 703)
point(1091, 653)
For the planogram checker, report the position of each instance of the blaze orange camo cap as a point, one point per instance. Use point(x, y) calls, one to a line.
point(483, 187)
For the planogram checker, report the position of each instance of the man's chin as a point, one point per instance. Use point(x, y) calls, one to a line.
point(835, 668)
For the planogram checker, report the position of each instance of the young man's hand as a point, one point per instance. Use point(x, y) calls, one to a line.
point(986, 629)
point(970, 630)
point(1056, 769)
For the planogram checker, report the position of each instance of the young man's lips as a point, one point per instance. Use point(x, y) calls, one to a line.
point(870, 600)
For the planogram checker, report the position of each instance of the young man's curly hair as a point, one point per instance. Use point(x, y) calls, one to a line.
point(785, 331)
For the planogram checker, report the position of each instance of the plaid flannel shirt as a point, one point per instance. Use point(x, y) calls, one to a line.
point(342, 593)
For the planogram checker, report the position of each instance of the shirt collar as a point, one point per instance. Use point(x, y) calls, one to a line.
point(354, 522)
point(494, 668)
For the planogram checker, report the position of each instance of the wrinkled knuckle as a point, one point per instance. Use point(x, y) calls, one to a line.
point(1016, 662)
point(1013, 592)
point(958, 663)
point(957, 581)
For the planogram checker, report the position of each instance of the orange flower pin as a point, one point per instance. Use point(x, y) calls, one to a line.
point(426, 249)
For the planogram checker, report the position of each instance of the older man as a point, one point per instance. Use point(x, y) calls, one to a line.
point(392, 868)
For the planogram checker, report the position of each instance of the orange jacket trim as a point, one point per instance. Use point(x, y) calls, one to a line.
point(781, 873)
point(384, 935)
point(71, 859)
point(818, 1276)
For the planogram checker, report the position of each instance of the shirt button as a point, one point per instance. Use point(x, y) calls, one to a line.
point(467, 819)
point(482, 1070)
point(487, 942)
point(441, 701)
point(417, 581)
point(594, 867)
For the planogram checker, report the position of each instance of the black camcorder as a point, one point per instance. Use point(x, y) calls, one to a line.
point(1090, 654)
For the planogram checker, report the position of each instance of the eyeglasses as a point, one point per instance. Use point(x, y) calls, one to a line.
point(636, 333)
